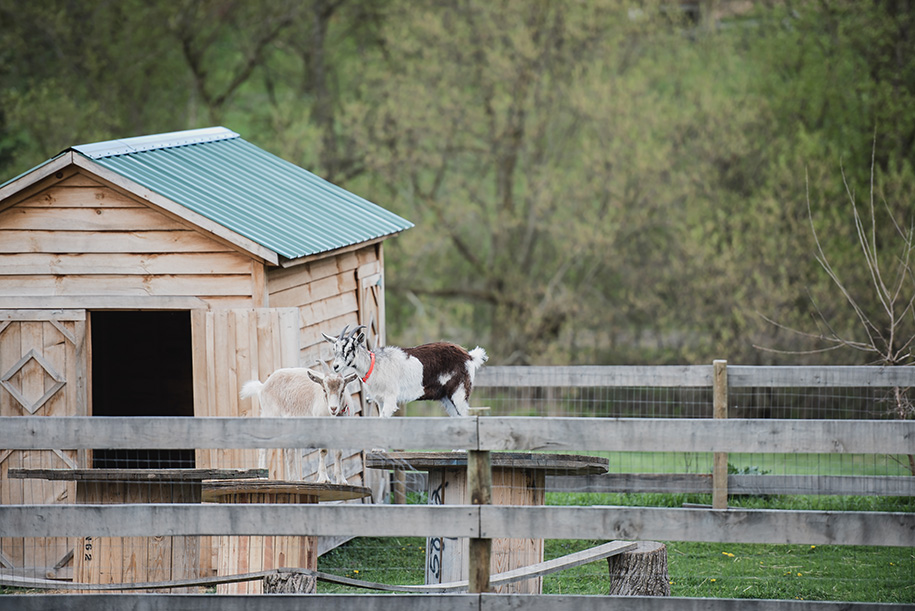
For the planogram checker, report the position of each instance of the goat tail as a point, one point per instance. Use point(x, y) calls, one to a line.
point(251, 388)
point(478, 356)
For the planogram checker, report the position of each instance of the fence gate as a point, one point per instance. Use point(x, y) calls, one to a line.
point(43, 372)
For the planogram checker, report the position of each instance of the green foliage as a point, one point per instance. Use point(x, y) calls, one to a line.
point(591, 183)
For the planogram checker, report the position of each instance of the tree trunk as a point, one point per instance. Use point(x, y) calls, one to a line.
point(290, 583)
point(640, 572)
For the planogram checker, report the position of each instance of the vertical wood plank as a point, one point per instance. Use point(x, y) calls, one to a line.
point(720, 459)
point(479, 490)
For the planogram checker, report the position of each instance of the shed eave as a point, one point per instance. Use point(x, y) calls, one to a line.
point(286, 262)
point(25, 180)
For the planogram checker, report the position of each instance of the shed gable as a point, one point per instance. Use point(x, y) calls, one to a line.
point(79, 237)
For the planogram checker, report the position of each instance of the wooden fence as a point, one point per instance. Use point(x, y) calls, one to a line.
point(472, 521)
point(722, 379)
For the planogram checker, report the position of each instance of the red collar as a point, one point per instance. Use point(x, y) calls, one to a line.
point(371, 368)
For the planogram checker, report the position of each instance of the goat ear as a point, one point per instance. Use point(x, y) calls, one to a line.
point(332, 340)
point(360, 339)
point(316, 377)
point(350, 378)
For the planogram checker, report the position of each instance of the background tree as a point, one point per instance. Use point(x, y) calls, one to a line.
point(592, 182)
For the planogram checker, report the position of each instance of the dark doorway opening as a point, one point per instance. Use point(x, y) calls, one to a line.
point(142, 366)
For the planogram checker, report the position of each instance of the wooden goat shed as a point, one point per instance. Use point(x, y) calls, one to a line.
point(154, 276)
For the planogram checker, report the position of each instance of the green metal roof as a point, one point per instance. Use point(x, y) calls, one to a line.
point(277, 204)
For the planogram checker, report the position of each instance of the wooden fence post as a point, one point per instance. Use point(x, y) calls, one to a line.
point(479, 489)
point(720, 410)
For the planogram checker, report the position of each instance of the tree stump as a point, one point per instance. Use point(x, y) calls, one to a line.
point(290, 583)
point(640, 572)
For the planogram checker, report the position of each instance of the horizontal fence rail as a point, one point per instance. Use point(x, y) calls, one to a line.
point(415, 602)
point(888, 529)
point(739, 376)
point(660, 375)
point(471, 433)
point(701, 483)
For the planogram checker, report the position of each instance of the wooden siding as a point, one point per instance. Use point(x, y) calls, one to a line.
point(78, 237)
point(326, 293)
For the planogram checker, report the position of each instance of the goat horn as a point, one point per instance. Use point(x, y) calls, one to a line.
point(343, 332)
point(323, 365)
point(356, 329)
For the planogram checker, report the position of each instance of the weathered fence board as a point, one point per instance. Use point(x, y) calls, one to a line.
point(592, 376)
point(698, 435)
point(483, 433)
point(413, 602)
point(236, 433)
point(820, 377)
point(701, 483)
point(675, 376)
point(891, 529)
point(240, 519)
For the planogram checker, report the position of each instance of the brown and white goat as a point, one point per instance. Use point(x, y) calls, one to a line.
point(298, 392)
point(395, 376)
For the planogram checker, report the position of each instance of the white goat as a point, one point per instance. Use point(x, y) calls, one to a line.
point(394, 376)
point(301, 392)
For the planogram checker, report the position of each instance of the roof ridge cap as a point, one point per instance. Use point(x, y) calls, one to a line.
point(123, 146)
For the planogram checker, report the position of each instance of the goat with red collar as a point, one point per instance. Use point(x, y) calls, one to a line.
point(394, 376)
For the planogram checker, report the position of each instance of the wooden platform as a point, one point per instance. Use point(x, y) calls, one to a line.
point(220, 490)
point(137, 475)
point(549, 464)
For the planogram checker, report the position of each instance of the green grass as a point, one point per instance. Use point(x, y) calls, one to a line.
point(776, 464)
point(714, 570)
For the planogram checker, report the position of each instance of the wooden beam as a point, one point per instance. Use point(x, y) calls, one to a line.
point(104, 302)
point(698, 435)
point(888, 529)
point(701, 483)
point(170, 519)
point(479, 491)
point(238, 433)
point(821, 377)
point(891, 529)
point(595, 376)
point(416, 602)
point(492, 433)
point(676, 376)
point(720, 412)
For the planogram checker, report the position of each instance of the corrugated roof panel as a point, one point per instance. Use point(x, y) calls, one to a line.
point(273, 202)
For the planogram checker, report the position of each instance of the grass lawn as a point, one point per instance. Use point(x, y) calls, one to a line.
point(774, 464)
point(715, 570)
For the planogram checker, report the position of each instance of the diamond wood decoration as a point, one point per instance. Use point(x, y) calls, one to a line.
point(32, 406)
